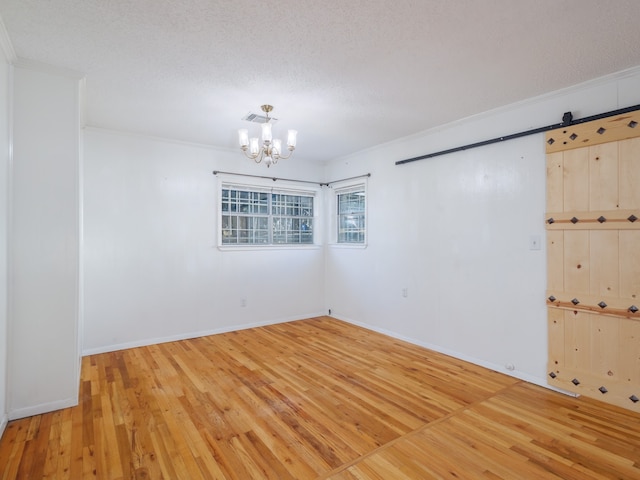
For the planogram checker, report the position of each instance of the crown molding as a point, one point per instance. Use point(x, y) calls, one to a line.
point(488, 114)
point(5, 43)
point(13, 59)
point(158, 138)
point(42, 67)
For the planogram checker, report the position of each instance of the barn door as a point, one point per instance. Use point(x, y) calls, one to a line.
point(593, 259)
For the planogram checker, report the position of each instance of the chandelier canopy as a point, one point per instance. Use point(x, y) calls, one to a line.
point(271, 149)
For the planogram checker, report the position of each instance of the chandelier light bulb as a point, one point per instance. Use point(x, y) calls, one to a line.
point(291, 139)
point(266, 132)
point(254, 147)
point(277, 147)
point(243, 137)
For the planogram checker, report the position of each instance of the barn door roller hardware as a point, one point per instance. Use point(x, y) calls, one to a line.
point(567, 120)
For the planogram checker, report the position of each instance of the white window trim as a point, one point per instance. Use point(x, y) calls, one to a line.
point(269, 186)
point(342, 188)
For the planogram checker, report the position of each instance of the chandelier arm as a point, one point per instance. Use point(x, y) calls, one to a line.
point(257, 158)
point(280, 156)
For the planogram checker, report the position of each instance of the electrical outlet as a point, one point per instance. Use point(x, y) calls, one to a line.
point(405, 292)
point(243, 302)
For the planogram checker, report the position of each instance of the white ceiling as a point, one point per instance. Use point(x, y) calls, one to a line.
point(347, 74)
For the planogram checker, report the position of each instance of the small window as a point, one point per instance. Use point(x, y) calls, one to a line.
point(351, 215)
point(259, 217)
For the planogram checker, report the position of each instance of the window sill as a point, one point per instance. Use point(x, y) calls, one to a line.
point(357, 246)
point(247, 248)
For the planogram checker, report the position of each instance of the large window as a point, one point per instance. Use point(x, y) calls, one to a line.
point(351, 215)
point(261, 217)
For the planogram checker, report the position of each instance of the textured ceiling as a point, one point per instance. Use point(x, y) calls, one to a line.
point(347, 74)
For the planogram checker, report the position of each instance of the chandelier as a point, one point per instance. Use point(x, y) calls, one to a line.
point(271, 149)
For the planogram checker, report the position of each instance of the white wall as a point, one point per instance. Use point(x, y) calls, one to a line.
point(43, 360)
point(454, 230)
point(4, 197)
point(152, 269)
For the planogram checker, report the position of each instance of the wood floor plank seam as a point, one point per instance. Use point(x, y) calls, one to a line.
point(414, 432)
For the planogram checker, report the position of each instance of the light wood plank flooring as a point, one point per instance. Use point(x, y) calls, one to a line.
point(315, 399)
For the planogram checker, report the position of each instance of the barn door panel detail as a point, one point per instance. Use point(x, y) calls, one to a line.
point(593, 259)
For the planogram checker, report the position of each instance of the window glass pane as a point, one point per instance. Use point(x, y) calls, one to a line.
point(237, 229)
point(251, 218)
point(225, 200)
point(351, 217)
point(288, 226)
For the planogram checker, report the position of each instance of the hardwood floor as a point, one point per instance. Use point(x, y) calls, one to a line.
point(315, 399)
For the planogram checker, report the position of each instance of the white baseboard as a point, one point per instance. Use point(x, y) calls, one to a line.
point(42, 408)
point(185, 336)
point(3, 423)
point(461, 356)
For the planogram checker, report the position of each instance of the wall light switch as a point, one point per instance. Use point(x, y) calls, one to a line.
point(534, 242)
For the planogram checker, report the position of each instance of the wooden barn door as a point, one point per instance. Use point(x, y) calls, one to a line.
point(593, 259)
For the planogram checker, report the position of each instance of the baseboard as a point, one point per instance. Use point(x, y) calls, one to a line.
point(185, 336)
point(43, 408)
point(3, 423)
point(461, 356)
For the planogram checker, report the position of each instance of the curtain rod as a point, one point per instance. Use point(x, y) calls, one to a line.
point(322, 184)
point(567, 121)
point(345, 179)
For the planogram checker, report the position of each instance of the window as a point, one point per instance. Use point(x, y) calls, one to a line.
point(252, 216)
point(351, 215)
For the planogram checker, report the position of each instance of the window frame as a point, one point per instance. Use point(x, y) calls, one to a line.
point(345, 188)
point(264, 187)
